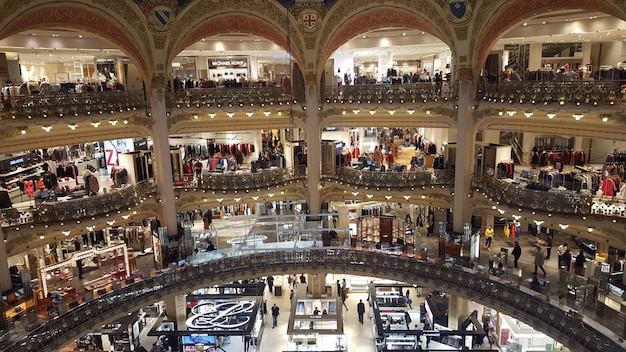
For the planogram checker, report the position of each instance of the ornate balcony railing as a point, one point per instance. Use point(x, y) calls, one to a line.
point(228, 97)
point(517, 196)
point(566, 327)
point(387, 179)
point(238, 181)
point(71, 104)
point(390, 93)
point(572, 92)
point(78, 209)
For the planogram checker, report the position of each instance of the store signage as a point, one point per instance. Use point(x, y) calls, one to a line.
point(16, 161)
point(228, 63)
point(220, 316)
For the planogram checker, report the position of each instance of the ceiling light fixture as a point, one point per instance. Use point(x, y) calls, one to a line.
point(577, 117)
point(95, 124)
point(230, 114)
point(113, 122)
point(46, 128)
point(72, 126)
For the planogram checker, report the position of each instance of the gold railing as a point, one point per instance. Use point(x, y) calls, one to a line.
point(572, 92)
point(71, 104)
point(518, 196)
point(566, 327)
point(228, 97)
point(390, 93)
point(390, 179)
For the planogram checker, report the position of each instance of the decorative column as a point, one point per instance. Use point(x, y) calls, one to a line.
point(162, 159)
point(458, 310)
point(314, 149)
point(5, 277)
point(464, 151)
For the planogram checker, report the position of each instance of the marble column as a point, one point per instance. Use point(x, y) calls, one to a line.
point(163, 162)
point(314, 150)
point(464, 156)
point(5, 277)
point(458, 310)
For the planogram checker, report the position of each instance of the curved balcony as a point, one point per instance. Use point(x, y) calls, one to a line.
point(571, 92)
point(567, 327)
point(228, 97)
point(390, 93)
point(71, 104)
point(79, 209)
point(516, 196)
point(233, 181)
point(399, 180)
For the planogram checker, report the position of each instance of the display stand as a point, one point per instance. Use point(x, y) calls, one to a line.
point(316, 324)
point(384, 233)
point(63, 271)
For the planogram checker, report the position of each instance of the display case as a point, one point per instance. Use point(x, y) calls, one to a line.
point(384, 231)
point(303, 342)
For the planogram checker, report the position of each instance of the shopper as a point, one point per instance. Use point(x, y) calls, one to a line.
point(360, 309)
point(270, 283)
point(275, 313)
point(539, 259)
point(302, 279)
point(548, 246)
point(371, 291)
point(344, 297)
point(247, 341)
point(580, 264)
point(517, 252)
point(566, 258)
point(338, 288)
point(408, 299)
point(489, 233)
point(560, 251)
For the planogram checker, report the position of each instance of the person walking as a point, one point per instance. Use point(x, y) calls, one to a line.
point(517, 252)
point(360, 309)
point(338, 288)
point(539, 259)
point(270, 283)
point(559, 252)
point(579, 266)
point(489, 233)
point(371, 291)
point(344, 297)
point(408, 299)
point(566, 258)
point(548, 246)
point(275, 313)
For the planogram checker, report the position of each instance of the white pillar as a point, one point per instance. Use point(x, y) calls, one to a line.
point(314, 150)
point(464, 157)
point(253, 68)
point(385, 61)
point(5, 277)
point(163, 162)
point(534, 57)
point(527, 146)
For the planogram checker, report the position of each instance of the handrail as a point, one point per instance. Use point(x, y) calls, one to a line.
point(81, 208)
point(385, 92)
point(568, 328)
point(71, 104)
point(578, 92)
point(391, 179)
point(517, 196)
point(233, 181)
point(228, 97)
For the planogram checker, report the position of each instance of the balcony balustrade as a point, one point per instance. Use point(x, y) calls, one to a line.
point(378, 179)
point(71, 104)
point(78, 209)
point(228, 97)
point(237, 181)
point(566, 202)
point(391, 93)
point(571, 92)
point(567, 327)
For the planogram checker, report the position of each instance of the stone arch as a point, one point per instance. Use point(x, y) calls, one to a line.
point(70, 15)
point(513, 12)
point(368, 19)
point(506, 298)
point(193, 28)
